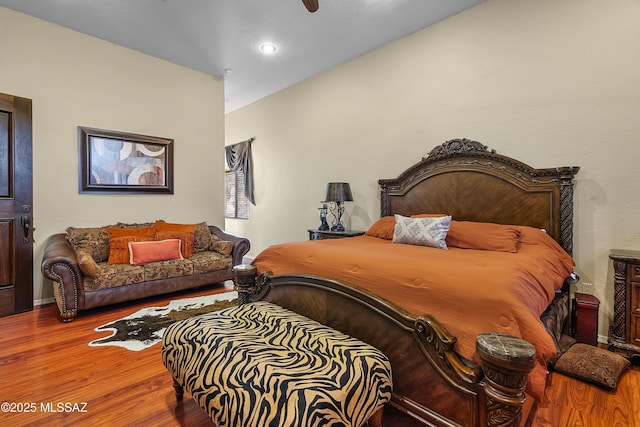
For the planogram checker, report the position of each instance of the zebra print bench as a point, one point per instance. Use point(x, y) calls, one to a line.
point(262, 365)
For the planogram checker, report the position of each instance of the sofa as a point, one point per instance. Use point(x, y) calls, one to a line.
point(97, 266)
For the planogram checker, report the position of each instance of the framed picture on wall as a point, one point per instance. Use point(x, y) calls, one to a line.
point(118, 162)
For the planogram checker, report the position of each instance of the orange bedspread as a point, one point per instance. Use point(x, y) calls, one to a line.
point(468, 291)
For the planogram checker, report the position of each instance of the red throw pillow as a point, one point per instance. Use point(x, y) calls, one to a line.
point(158, 250)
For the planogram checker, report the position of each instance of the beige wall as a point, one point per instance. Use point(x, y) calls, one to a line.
point(77, 80)
point(546, 81)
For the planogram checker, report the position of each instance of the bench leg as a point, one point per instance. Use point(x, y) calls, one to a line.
point(376, 419)
point(179, 390)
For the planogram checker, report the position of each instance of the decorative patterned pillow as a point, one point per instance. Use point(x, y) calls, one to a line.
point(594, 365)
point(94, 240)
point(135, 224)
point(201, 237)
point(87, 264)
point(223, 247)
point(430, 232)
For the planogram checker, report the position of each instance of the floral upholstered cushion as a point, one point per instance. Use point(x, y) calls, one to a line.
point(167, 269)
point(95, 240)
point(223, 247)
point(135, 224)
point(203, 262)
point(114, 275)
point(201, 237)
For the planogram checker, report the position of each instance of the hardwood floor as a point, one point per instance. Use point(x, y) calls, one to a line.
point(570, 402)
point(47, 368)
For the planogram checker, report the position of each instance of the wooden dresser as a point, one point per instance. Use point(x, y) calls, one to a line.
point(624, 332)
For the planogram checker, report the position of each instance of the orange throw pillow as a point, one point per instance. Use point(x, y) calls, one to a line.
point(158, 250)
point(139, 232)
point(119, 248)
point(382, 228)
point(187, 239)
point(483, 236)
point(167, 226)
point(120, 238)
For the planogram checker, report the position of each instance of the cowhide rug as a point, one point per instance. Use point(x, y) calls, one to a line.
point(145, 327)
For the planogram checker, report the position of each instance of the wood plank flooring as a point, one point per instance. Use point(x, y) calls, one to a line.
point(47, 368)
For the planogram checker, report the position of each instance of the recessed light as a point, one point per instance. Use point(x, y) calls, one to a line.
point(268, 48)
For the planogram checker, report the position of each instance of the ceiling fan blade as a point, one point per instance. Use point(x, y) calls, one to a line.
point(311, 5)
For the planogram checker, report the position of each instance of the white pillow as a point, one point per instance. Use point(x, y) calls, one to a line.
point(422, 231)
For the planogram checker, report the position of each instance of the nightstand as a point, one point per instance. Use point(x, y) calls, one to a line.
point(315, 234)
point(624, 333)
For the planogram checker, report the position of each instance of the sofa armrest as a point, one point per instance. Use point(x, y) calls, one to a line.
point(241, 245)
point(59, 264)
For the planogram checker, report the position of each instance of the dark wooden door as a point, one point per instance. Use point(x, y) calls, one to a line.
point(16, 194)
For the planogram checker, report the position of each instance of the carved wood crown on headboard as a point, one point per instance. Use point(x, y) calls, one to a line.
point(467, 180)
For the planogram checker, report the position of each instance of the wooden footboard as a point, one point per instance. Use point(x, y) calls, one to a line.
point(432, 383)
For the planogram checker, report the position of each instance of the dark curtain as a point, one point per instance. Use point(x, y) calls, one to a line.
point(239, 159)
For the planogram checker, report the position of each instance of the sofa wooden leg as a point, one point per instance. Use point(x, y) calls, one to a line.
point(179, 390)
point(376, 419)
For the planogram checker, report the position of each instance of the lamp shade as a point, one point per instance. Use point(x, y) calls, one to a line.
point(338, 192)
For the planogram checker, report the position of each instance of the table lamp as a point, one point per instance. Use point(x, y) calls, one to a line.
point(337, 194)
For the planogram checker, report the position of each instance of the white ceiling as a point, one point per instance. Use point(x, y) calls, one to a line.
point(214, 35)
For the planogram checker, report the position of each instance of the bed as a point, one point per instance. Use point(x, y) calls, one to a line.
point(436, 339)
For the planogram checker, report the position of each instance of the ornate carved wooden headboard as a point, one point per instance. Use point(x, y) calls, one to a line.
point(466, 180)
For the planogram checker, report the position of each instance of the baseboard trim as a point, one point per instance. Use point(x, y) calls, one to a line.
point(44, 301)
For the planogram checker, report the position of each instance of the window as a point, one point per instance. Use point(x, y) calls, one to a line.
point(238, 180)
point(236, 202)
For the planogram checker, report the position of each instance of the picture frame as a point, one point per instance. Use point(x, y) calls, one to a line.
point(126, 163)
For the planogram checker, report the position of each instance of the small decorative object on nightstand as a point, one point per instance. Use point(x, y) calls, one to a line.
point(624, 332)
point(585, 318)
point(337, 194)
point(316, 234)
point(324, 226)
